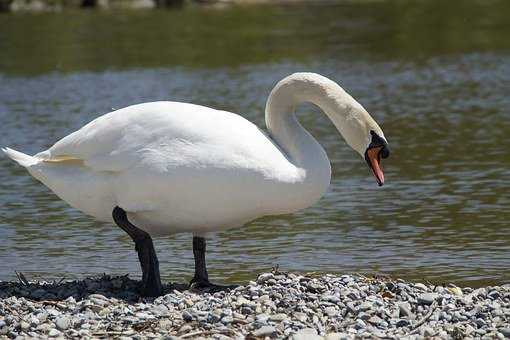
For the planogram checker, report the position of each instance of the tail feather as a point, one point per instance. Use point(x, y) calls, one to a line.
point(21, 158)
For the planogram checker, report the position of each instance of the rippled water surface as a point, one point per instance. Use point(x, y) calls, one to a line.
point(435, 75)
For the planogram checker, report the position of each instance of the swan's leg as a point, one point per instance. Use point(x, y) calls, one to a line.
point(151, 281)
point(201, 279)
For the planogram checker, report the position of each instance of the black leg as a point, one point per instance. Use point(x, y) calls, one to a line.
point(201, 279)
point(151, 281)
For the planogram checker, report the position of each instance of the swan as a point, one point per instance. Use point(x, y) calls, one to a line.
point(167, 167)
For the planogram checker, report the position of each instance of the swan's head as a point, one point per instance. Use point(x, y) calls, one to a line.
point(377, 149)
point(358, 128)
point(364, 135)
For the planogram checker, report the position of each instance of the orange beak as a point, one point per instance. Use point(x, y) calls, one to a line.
point(373, 157)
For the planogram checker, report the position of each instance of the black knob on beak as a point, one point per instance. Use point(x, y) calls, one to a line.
point(385, 152)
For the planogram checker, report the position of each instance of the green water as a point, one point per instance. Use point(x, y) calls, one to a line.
point(435, 74)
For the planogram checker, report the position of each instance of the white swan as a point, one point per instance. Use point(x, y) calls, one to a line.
point(173, 167)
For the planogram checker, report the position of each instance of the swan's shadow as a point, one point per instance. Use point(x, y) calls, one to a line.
point(119, 287)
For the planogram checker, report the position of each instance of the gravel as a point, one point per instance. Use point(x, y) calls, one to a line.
point(275, 306)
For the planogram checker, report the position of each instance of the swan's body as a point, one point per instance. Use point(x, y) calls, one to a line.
point(175, 167)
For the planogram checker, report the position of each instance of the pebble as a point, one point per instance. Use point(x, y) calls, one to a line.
point(63, 323)
point(264, 277)
point(428, 332)
point(336, 336)
point(278, 317)
point(427, 298)
point(187, 316)
point(330, 311)
point(505, 331)
point(306, 334)
point(25, 326)
point(276, 306)
point(53, 333)
point(300, 316)
point(265, 331)
point(405, 311)
point(421, 286)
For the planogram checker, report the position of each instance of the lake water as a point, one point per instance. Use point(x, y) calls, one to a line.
point(434, 74)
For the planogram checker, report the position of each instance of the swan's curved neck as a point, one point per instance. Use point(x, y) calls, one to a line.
point(301, 148)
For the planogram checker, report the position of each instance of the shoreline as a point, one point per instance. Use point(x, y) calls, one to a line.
point(277, 305)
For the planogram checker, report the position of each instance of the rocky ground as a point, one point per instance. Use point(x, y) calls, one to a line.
point(276, 305)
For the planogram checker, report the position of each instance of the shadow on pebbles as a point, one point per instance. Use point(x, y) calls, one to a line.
point(276, 306)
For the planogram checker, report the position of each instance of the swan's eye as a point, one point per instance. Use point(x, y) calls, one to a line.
point(377, 141)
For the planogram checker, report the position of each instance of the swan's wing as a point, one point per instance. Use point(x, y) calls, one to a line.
point(117, 140)
point(167, 135)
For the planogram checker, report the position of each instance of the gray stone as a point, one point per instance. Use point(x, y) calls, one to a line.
point(63, 323)
point(428, 332)
point(505, 331)
point(300, 316)
point(227, 320)
point(54, 332)
point(421, 286)
point(427, 298)
point(265, 331)
point(159, 310)
point(187, 316)
point(330, 311)
point(366, 306)
point(336, 336)
point(264, 277)
point(278, 317)
point(42, 316)
point(306, 334)
point(402, 323)
point(24, 325)
point(262, 318)
point(360, 324)
point(44, 327)
point(331, 298)
point(375, 320)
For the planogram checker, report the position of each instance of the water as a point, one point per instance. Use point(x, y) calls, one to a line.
point(435, 75)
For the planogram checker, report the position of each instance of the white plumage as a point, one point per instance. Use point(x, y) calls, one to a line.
point(177, 167)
